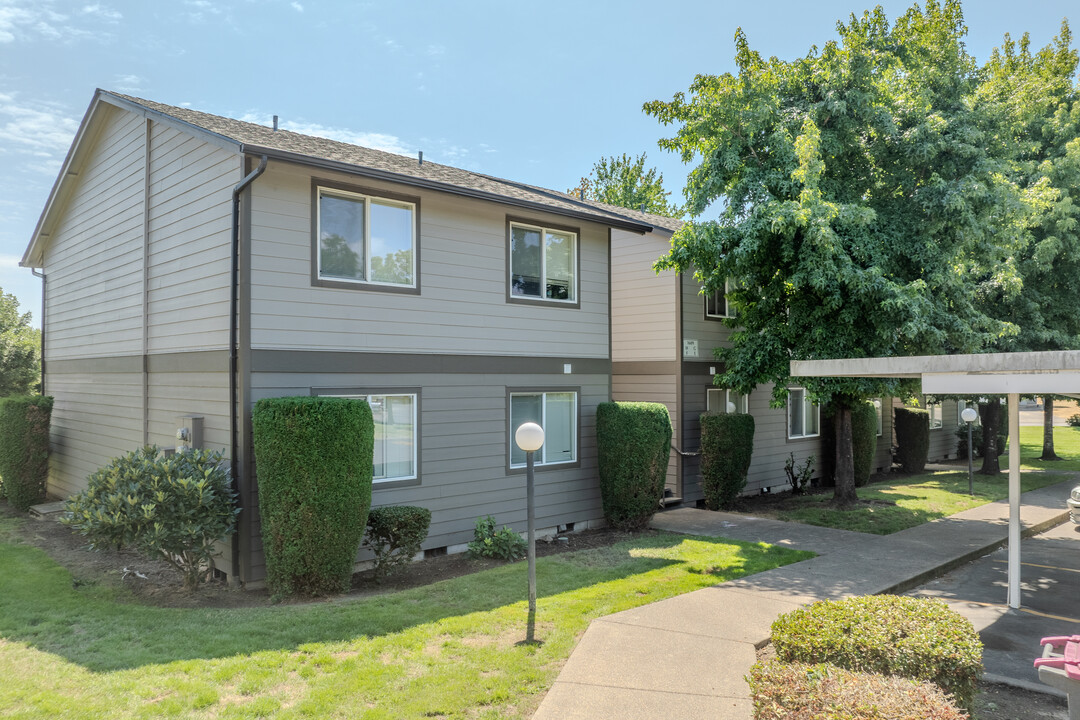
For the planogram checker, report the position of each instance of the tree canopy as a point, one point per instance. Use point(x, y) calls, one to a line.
point(20, 362)
point(872, 204)
point(625, 182)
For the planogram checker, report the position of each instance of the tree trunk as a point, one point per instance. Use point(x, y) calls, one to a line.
point(1048, 429)
point(844, 495)
point(990, 416)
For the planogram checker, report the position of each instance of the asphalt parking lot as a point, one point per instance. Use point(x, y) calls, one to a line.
point(1050, 605)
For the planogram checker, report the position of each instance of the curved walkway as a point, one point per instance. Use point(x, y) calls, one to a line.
point(686, 657)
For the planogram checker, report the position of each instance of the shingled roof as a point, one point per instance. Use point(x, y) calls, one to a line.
point(284, 144)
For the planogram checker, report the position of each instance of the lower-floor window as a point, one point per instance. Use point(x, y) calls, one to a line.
point(395, 435)
point(935, 414)
point(556, 412)
point(719, 400)
point(803, 415)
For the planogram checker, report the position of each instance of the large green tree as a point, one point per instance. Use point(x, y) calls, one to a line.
point(859, 192)
point(20, 362)
point(624, 181)
point(1035, 104)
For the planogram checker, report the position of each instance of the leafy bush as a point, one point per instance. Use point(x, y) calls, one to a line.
point(977, 441)
point(912, 438)
point(727, 445)
point(314, 462)
point(24, 449)
point(175, 506)
point(798, 476)
point(633, 442)
point(917, 638)
point(395, 534)
point(503, 544)
point(1073, 421)
point(863, 440)
point(798, 691)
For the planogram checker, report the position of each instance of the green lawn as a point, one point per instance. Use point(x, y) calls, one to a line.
point(446, 650)
point(909, 501)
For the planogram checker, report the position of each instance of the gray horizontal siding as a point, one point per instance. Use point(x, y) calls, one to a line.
point(463, 446)
point(462, 306)
point(710, 334)
point(643, 303)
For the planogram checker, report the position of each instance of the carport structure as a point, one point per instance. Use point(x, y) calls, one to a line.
point(1009, 374)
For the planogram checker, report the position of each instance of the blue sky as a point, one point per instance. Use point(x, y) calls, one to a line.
point(535, 92)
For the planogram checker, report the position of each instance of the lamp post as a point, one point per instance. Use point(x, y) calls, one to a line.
point(968, 416)
point(530, 438)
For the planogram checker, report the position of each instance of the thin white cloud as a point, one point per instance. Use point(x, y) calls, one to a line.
point(297, 7)
point(202, 10)
point(9, 262)
point(376, 141)
point(37, 133)
point(128, 83)
point(28, 20)
point(436, 50)
point(104, 12)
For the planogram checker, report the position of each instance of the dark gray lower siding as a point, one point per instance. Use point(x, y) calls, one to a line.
point(463, 448)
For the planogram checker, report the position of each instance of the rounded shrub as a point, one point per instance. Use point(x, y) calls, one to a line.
point(916, 638)
point(863, 440)
point(395, 534)
point(175, 507)
point(912, 438)
point(795, 691)
point(24, 449)
point(314, 463)
point(633, 441)
point(727, 445)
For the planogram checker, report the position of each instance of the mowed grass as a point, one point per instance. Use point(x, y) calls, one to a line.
point(904, 502)
point(447, 650)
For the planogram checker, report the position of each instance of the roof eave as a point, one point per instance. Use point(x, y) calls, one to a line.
point(376, 174)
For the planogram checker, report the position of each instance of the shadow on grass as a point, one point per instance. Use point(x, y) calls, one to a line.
point(102, 630)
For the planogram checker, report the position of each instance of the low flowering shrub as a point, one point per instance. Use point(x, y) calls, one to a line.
point(797, 691)
point(916, 638)
point(502, 544)
point(176, 507)
point(395, 534)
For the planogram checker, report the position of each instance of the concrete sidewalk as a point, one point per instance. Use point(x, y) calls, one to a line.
point(686, 657)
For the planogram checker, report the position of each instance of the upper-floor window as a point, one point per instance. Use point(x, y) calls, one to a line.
point(543, 263)
point(720, 400)
point(717, 305)
point(365, 239)
point(803, 415)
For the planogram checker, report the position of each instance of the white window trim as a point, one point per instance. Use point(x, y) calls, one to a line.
point(814, 406)
point(415, 439)
point(366, 199)
point(542, 459)
point(745, 409)
point(573, 299)
point(727, 305)
point(935, 415)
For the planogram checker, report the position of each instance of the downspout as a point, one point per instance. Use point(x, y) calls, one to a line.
point(234, 323)
point(43, 284)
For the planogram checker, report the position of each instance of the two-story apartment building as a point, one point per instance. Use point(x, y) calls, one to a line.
point(195, 264)
point(664, 334)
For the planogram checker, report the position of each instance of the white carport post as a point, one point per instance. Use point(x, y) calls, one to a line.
point(1014, 500)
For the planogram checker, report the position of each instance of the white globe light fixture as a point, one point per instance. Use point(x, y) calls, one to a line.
point(968, 415)
point(730, 407)
point(530, 438)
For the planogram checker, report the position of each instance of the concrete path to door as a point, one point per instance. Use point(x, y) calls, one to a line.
point(687, 657)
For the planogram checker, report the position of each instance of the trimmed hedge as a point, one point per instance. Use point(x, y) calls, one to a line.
point(912, 438)
point(863, 440)
point(395, 534)
point(811, 692)
point(916, 638)
point(633, 442)
point(727, 444)
point(314, 462)
point(175, 507)
point(24, 449)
